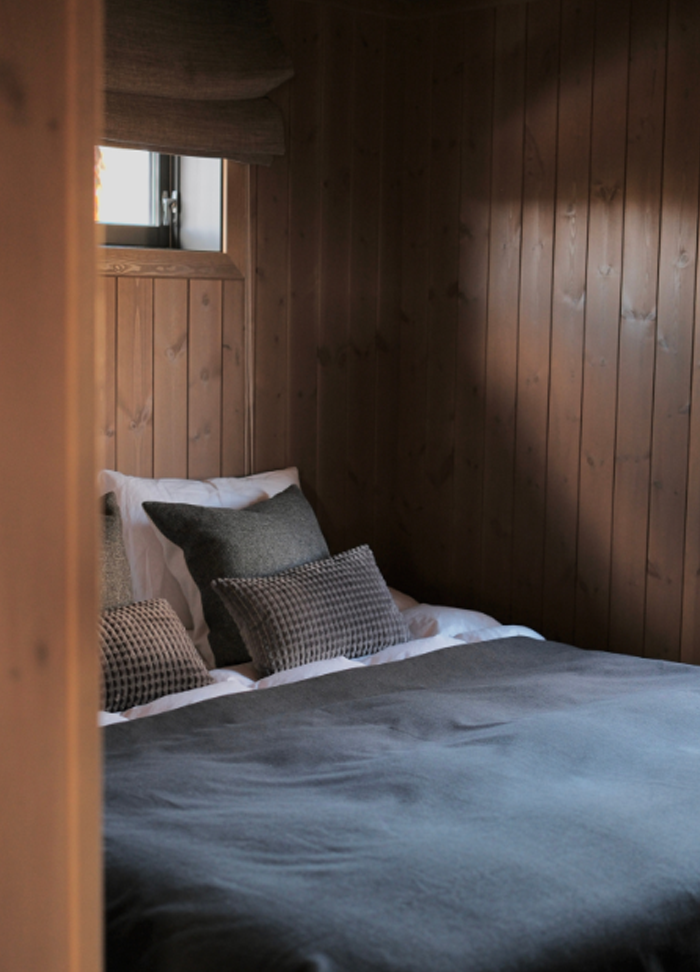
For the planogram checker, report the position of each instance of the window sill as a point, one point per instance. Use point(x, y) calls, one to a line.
point(134, 262)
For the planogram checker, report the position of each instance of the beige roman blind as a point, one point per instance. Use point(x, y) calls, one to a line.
point(190, 77)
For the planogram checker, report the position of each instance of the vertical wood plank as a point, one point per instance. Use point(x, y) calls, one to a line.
point(107, 375)
point(388, 334)
point(443, 263)
point(234, 378)
point(568, 308)
point(537, 255)
point(504, 280)
point(602, 318)
point(474, 224)
point(135, 376)
point(690, 618)
point(305, 143)
point(240, 245)
point(271, 307)
point(270, 448)
point(412, 512)
point(170, 300)
point(364, 277)
point(204, 365)
point(678, 253)
point(337, 202)
point(638, 325)
point(49, 675)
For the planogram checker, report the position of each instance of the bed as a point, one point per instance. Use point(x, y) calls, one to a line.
point(469, 797)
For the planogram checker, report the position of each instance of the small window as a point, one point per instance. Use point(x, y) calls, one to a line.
point(146, 199)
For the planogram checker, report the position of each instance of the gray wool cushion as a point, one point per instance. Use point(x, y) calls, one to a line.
point(145, 654)
point(115, 573)
point(273, 535)
point(336, 606)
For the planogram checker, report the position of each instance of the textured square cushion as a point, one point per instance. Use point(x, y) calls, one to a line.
point(146, 653)
point(272, 535)
point(115, 574)
point(336, 606)
point(158, 566)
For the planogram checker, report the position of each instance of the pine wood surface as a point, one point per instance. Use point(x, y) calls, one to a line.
point(471, 293)
point(133, 262)
point(466, 573)
point(170, 378)
point(205, 369)
point(134, 444)
point(601, 339)
point(50, 875)
point(674, 340)
point(305, 236)
point(538, 298)
point(534, 326)
point(503, 298)
point(637, 331)
point(175, 379)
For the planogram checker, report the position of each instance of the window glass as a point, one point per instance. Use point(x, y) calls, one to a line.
point(125, 190)
point(147, 199)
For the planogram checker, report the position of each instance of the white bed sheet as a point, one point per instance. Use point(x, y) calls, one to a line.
point(432, 626)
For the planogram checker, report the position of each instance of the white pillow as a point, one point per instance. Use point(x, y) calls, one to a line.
point(426, 620)
point(154, 572)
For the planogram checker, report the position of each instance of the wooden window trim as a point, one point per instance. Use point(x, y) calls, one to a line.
point(134, 262)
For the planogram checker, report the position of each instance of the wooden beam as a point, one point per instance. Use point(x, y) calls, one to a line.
point(50, 876)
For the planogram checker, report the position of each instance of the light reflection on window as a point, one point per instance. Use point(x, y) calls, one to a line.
point(124, 187)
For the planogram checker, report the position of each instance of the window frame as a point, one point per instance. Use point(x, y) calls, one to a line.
point(162, 236)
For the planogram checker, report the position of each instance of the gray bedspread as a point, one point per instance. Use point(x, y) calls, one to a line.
point(517, 805)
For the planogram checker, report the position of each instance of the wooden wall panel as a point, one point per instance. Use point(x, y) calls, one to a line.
point(305, 240)
point(180, 372)
point(442, 260)
point(412, 502)
point(503, 300)
point(364, 265)
point(568, 315)
point(233, 380)
point(600, 373)
point(204, 366)
point(134, 447)
point(170, 399)
point(674, 340)
point(271, 300)
point(339, 40)
point(690, 620)
point(473, 294)
point(466, 577)
point(535, 323)
point(108, 393)
point(637, 332)
point(387, 538)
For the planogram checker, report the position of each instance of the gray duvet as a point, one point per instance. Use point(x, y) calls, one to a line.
point(517, 805)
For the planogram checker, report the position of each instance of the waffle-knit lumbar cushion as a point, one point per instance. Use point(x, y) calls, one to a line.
point(335, 606)
point(146, 653)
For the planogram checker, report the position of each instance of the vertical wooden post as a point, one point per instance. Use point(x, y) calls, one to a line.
point(50, 883)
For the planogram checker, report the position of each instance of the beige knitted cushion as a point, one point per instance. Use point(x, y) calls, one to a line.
point(146, 653)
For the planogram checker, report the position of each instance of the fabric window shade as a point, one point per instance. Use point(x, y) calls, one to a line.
point(189, 77)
